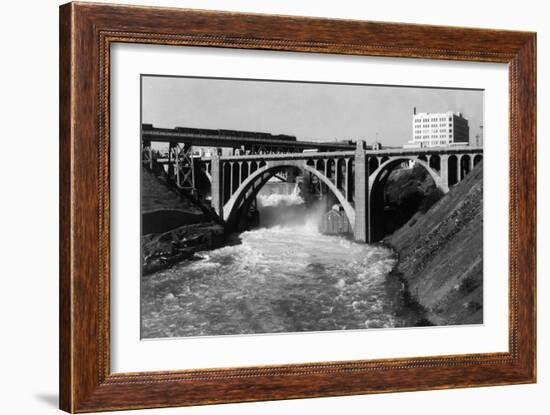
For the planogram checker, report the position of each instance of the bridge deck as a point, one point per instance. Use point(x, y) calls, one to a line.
point(342, 154)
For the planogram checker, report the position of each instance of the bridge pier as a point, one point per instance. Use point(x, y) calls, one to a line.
point(361, 231)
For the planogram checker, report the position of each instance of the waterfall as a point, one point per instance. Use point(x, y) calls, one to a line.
point(280, 194)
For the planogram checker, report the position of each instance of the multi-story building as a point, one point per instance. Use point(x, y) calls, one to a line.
point(439, 130)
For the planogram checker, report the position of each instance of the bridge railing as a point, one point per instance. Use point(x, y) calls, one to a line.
point(390, 152)
point(288, 156)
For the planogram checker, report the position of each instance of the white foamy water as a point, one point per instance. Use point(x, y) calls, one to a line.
point(279, 279)
point(280, 194)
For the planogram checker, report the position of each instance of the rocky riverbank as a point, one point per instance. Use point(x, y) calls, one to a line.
point(173, 228)
point(440, 255)
point(159, 251)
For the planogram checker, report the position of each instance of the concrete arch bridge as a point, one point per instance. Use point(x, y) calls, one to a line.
point(356, 178)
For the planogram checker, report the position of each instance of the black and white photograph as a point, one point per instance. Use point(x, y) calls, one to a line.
point(280, 206)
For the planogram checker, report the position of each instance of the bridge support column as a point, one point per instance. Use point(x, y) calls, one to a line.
point(444, 172)
point(361, 232)
point(217, 184)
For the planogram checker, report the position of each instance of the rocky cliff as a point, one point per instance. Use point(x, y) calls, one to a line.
point(441, 254)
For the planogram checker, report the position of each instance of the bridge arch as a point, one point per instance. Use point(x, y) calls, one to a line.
point(250, 187)
point(377, 182)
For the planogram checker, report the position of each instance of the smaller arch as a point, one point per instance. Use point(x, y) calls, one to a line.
point(320, 165)
point(339, 173)
point(235, 171)
point(464, 166)
point(244, 170)
point(477, 159)
point(226, 168)
point(452, 165)
point(315, 162)
point(350, 184)
point(373, 164)
point(330, 169)
point(435, 162)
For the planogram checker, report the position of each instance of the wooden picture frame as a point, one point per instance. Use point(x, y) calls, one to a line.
point(86, 33)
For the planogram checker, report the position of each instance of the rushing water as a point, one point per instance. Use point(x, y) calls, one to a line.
point(283, 278)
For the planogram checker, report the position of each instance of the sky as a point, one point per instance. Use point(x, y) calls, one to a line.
point(309, 111)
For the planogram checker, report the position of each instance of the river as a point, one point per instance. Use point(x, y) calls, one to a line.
point(284, 277)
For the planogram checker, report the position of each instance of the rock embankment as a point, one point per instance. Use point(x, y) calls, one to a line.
point(441, 254)
point(159, 251)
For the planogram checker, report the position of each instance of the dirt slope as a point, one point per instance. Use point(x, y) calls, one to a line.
point(156, 195)
point(441, 254)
